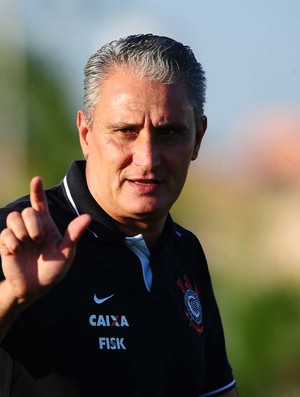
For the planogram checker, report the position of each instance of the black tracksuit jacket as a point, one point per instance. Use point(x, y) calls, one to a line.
point(100, 332)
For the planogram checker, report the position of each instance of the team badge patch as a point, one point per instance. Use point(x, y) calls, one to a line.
point(193, 308)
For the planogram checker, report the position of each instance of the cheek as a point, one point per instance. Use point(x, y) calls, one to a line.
point(179, 167)
point(119, 155)
point(180, 158)
point(113, 156)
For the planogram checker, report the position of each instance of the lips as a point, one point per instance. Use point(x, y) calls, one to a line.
point(144, 186)
point(145, 181)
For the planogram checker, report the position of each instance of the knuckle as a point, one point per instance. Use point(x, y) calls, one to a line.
point(28, 212)
point(36, 236)
point(4, 235)
point(33, 224)
point(15, 225)
point(9, 241)
point(12, 217)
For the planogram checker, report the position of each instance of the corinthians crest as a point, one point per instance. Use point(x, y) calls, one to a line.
point(193, 308)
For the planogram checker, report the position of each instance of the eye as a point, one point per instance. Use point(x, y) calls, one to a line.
point(128, 131)
point(125, 134)
point(170, 132)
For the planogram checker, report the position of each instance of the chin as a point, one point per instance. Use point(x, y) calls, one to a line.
point(150, 212)
point(150, 207)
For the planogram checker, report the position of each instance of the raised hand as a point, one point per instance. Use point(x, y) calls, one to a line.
point(35, 256)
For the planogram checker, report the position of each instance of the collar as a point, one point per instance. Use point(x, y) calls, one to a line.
point(82, 202)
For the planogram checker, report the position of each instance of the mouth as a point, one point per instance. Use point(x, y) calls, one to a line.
point(145, 186)
point(145, 182)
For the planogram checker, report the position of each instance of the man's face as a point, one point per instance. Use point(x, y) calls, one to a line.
point(139, 147)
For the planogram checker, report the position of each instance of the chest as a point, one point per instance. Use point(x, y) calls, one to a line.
point(104, 301)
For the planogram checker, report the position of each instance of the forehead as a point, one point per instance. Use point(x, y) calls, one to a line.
point(123, 92)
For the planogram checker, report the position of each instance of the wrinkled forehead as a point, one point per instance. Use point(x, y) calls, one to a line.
point(123, 93)
point(127, 73)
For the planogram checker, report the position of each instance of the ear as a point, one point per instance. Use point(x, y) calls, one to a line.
point(199, 136)
point(84, 131)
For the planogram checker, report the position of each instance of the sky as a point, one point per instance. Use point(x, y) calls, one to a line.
point(249, 49)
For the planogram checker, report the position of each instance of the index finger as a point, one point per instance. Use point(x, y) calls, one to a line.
point(37, 196)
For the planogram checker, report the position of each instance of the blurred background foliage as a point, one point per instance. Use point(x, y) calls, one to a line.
point(249, 228)
point(38, 134)
point(51, 137)
point(248, 222)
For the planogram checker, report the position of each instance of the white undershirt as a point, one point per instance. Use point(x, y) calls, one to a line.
point(139, 248)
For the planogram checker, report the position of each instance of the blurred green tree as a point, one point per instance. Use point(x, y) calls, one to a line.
point(51, 134)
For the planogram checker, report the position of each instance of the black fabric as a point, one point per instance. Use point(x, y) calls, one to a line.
point(6, 372)
point(15, 381)
point(136, 342)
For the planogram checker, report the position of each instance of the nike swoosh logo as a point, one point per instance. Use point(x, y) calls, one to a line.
point(99, 301)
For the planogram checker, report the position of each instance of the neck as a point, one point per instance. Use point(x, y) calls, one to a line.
point(151, 232)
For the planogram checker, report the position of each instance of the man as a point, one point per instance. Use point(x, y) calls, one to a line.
point(132, 312)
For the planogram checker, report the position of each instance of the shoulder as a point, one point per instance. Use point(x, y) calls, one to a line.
point(187, 246)
point(187, 238)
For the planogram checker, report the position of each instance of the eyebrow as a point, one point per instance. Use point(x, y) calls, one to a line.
point(172, 125)
point(168, 125)
point(122, 125)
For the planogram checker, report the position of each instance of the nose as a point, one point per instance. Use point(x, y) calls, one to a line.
point(146, 151)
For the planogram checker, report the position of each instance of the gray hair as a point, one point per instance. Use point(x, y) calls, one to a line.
point(157, 58)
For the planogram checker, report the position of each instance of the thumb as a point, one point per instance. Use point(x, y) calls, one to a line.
point(73, 233)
